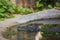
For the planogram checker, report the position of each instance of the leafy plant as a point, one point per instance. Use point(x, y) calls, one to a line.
point(39, 4)
point(58, 4)
point(22, 10)
point(50, 34)
point(50, 6)
point(7, 9)
point(2, 9)
point(46, 4)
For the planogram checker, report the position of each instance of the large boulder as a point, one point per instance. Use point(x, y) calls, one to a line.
point(41, 16)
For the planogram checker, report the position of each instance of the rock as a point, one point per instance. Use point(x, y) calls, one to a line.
point(45, 14)
point(1, 37)
point(9, 22)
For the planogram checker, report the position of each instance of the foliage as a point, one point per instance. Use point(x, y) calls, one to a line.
point(7, 9)
point(58, 4)
point(39, 4)
point(22, 10)
point(50, 34)
point(48, 4)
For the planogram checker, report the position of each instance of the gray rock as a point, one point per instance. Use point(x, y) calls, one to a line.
point(45, 14)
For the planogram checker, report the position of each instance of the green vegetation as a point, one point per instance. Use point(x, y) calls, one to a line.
point(7, 10)
point(46, 4)
point(50, 34)
point(21, 10)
